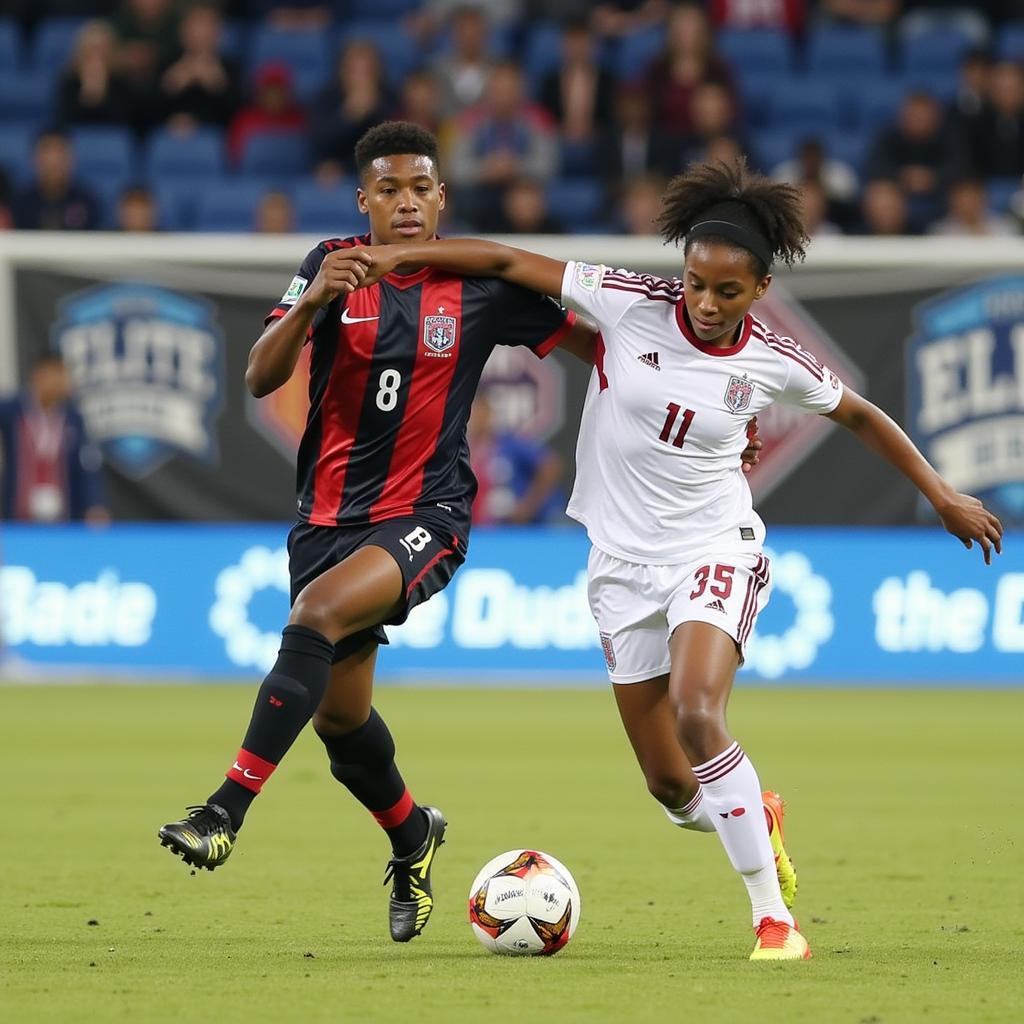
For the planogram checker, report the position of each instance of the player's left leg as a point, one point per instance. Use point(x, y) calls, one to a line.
point(362, 757)
point(704, 662)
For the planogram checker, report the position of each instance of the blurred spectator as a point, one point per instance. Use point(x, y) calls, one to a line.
point(632, 146)
point(148, 34)
point(504, 138)
point(136, 210)
point(997, 141)
point(968, 213)
point(971, 90)
point(199, 85)
point(640, 205)
point(92, 90)
point(726, 149)
point(420, 101)
point(273, 108)
point(432, 16)
point(578, 94)
point(837, 179)
point(688, 60)
point(275, 214)
point(54, 201)
point(952, 16)
point(625, 17)
point(51, 471)
point(351, 105)
point(814, 202)
point(712, 113)
point(861, 12)
point(522, 210)
point(884, 209)
point(519, 479)
point(299, 14)
point(921, 152)
point(463, 72)
point(787, 15)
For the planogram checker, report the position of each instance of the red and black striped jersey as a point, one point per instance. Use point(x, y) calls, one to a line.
point(393, 372)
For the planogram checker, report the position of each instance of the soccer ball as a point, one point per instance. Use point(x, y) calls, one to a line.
point(524, 903)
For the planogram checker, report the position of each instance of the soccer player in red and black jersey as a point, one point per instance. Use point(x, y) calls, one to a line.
point(384, 496)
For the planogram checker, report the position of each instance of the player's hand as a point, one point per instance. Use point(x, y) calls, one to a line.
point(383, 259)
point(750, 456)
point(341, 273)
point(967, 519)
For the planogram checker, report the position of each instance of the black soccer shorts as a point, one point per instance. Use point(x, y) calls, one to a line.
point(426, 548)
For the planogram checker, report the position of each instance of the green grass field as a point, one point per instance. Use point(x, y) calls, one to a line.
point(905, 821)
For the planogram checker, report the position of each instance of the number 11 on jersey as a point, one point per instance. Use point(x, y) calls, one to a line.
point(670, 419)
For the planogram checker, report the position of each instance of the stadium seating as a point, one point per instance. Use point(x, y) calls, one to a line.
point(277, 155)
point(26, 97)
point(399, 53)
point(307, 53)
point(577, 202)
point(934, 54)
point(1000, 191)
point(327, 211)
point(635, 52)
point(800, 105)
point(229, 204)
point(1010, 42)
point(53, 42)
point(845, 52)
point(10, 45)
point(196, 155)
point(107, 152)
point(16, 151)
point(756, 51)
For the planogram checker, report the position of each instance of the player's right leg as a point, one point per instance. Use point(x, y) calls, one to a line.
point(354, 595)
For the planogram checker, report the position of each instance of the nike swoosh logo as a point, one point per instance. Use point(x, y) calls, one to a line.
point(246, 774)
point(346, 319)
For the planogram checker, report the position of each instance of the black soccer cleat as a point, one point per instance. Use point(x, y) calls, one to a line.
point(204, 839)
point(411, 897)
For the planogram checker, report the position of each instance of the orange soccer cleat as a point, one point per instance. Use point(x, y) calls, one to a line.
point(777, 940)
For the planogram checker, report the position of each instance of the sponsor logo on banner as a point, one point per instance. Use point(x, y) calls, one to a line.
point(965, 390)
point(439, 332)
point(147, 365)
point(789, 435)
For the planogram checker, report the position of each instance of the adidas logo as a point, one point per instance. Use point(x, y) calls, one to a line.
point(716, 605)
point(650, 359)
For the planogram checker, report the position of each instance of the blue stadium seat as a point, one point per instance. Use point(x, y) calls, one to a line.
point(53, 41)
point(1010, 41)
point(852, 148)
point(234, 38)
point(306, 52)
point(16, 152)
point(771, 147)
point(277, 155)
point(542, 51)
point(10, 44)
point(835, 51)
point(327, 212)
point(756, 50)
point(577, 158)
point(755, 90)
point(383, 10)
point(26, 97)
point(635, 52)
point(104, 152)
point(878, 104)
point(399, 52)
point(107, 189)
point(577, 202)
point(932, 53)
point(198, 154)
point(229, 204)
point(803, 106)
point(1000, 191)
point(178, 198)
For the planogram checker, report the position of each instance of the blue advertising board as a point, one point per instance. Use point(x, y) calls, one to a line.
point(849, 606)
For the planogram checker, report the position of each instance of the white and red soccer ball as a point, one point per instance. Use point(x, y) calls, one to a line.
point(524, 903)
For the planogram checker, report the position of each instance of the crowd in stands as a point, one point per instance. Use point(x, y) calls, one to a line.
point(893, 117)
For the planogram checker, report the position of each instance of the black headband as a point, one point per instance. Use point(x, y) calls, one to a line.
point(757, 244)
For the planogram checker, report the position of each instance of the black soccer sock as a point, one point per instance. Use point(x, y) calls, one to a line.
point(285, 703)
point(364, 761)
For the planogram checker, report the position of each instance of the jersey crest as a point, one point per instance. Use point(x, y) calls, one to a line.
point(738, 393)
point(439, 332)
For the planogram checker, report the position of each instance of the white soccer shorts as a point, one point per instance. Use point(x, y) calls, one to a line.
point(637, 607)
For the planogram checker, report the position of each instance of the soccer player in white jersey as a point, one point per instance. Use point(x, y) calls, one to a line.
point(677, 574)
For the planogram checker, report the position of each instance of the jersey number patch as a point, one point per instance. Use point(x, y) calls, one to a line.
point(722, 587)
point(670, 420)
point(387, 395)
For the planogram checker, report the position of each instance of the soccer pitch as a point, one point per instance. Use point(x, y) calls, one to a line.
point(905, 822)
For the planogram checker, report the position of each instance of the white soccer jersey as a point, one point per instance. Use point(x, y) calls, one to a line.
point(658, 475)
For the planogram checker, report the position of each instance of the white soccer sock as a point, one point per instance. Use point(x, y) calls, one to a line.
point(732, 794)
point(693, 816)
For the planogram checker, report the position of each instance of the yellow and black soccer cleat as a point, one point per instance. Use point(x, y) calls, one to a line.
point(411, 897)
point(204, 839)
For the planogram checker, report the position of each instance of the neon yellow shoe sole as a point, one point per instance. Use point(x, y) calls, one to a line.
point(775, 810)
point(777, 940)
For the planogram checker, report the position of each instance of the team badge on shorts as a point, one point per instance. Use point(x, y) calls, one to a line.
point(738, 393)
point(609, 651)
point(439, 333)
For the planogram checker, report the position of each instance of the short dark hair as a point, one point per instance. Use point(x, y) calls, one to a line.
point(394, 138)
point(770, 209)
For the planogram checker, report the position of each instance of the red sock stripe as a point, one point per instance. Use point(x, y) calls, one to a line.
point(693, 804)
point(719, 766)
point(250, 771)
point(396, 813)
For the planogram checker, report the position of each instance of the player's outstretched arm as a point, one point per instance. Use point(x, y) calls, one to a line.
point(470, 257)
point(962, 515)
point(272, 359)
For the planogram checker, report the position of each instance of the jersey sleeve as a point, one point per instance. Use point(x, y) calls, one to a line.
point(536, 321)
point(810, 385)
point(604, 295)
point(308, 269)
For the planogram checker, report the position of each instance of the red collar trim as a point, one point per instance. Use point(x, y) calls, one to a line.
point(683, 322)
point(408, 280)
